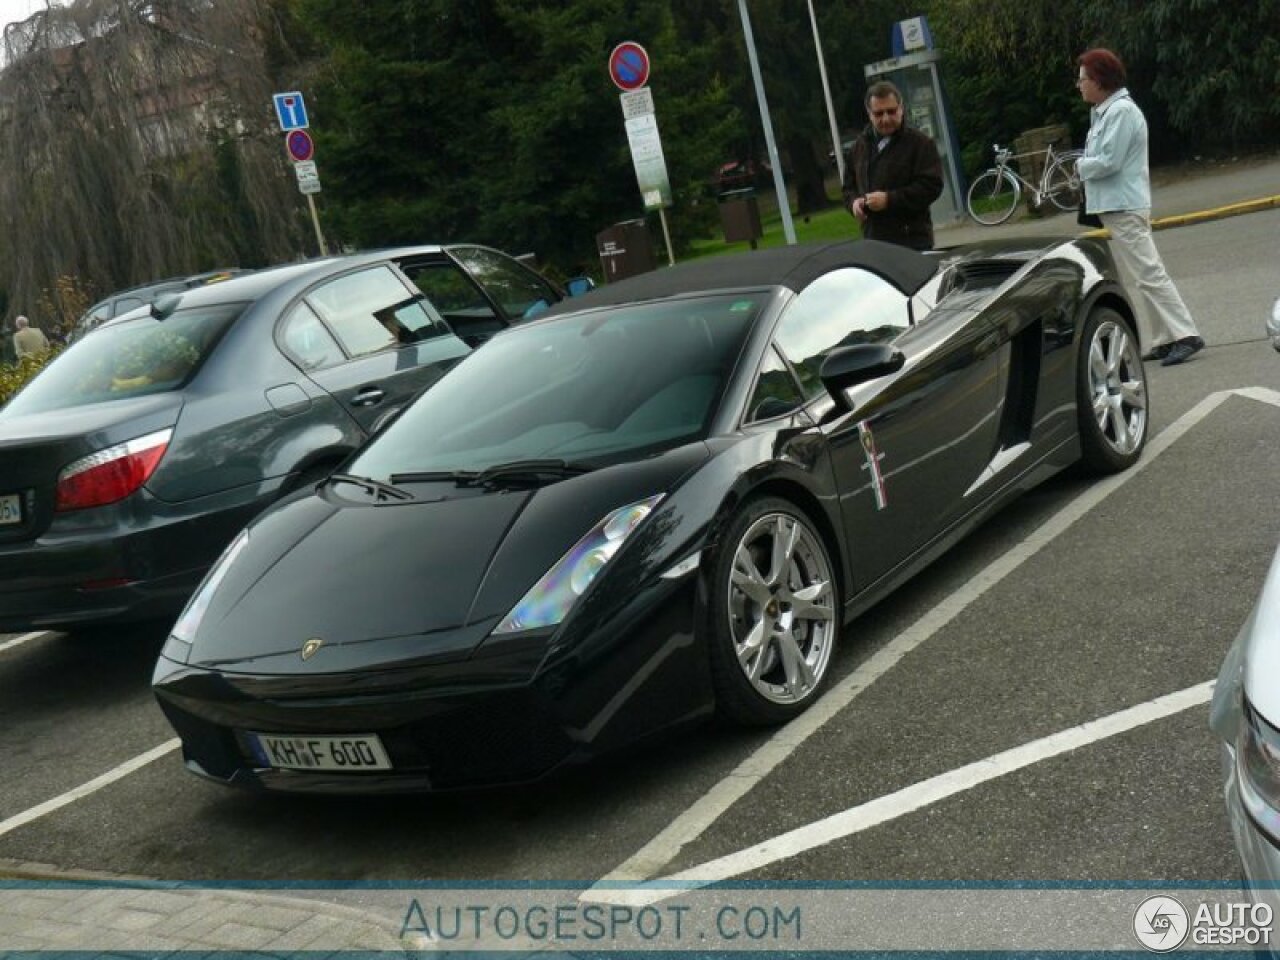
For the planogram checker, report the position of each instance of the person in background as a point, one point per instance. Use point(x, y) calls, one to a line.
point(1117, 187)
point(893, 174)
point(28, 340)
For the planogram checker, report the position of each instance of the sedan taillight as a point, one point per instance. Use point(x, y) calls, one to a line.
point(111, 474)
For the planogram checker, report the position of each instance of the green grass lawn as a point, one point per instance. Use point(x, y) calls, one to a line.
point(834, 223)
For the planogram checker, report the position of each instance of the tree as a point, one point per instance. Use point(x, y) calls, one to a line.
point(1197, 67)
point(136, 145)
point(498, 123)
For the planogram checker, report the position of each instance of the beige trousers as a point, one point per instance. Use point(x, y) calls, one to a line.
point(1162, 316)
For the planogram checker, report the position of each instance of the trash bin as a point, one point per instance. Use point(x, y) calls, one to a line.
point(625, 250)
point(740, 216)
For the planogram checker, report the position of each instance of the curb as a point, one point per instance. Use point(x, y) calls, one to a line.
point(1204, 216)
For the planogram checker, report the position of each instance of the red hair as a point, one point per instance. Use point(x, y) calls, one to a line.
point(1103, 67)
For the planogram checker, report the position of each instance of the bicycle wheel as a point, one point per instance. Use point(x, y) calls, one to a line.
point(1062, 183)
point(993, 197)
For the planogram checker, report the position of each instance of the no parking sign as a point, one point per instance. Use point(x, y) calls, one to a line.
point(629, 66)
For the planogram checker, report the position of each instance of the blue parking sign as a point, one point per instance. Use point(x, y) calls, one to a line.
point(291, 111)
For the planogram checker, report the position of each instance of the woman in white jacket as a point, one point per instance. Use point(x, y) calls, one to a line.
point(1117, 183)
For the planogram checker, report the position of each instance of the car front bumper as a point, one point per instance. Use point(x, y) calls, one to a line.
point(509, 713)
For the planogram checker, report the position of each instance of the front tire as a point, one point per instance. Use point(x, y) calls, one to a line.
point(993, 197)
point(1111, 393)
point(773, 617)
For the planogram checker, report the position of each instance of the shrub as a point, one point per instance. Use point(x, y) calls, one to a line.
point(14, 376)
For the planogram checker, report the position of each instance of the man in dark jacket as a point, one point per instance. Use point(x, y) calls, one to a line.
point(893, 174)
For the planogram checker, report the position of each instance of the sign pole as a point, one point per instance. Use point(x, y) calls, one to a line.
point(315, 222)
point(666, 236)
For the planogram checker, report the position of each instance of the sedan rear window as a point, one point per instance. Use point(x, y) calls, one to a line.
point(128, 359)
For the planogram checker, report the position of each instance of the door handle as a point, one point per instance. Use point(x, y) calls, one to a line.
point(368, 397)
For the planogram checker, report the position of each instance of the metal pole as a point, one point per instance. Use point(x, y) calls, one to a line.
point(666, 235)
point(826, 92)
point(784, 207)
point(315, 222)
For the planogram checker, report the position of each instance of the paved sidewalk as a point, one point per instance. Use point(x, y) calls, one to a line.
point(43, 908)
point(1192, 196)
point(46, 909)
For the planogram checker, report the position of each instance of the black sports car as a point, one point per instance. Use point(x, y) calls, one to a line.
point(662, 499)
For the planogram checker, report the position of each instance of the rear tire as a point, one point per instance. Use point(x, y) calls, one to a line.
point(773, 617)
point(993, 197)
point(1111, 393)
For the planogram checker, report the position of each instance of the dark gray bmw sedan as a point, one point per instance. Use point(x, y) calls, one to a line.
point(132, 460)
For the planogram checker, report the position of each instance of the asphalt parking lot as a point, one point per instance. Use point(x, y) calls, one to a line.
point(1082, 601)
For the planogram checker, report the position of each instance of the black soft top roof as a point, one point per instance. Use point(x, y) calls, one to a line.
point(794, 267)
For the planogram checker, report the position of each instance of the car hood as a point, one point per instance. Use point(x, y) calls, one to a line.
point(1262, 650)
point(392, 584)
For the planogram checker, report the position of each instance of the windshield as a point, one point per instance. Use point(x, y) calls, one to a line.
point(598, 386)
point(128, 359)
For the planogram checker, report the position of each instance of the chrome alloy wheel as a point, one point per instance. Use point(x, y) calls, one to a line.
point(1118, 387)
point(780, 608)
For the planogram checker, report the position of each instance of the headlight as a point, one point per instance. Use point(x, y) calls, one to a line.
point(551, 598)
point(1258, 757)
point(187, 625)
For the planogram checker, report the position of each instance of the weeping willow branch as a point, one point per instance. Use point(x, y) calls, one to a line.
point(136, 141)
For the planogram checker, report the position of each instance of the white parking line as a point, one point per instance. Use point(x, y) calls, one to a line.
point(693, 822)
point(94, 785)
point(912, 798)
point(19, 641)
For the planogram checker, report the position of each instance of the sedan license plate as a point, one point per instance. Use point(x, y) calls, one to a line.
point(342, 754)
point(10, 509)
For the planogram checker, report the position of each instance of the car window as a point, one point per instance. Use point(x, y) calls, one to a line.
point(125, 304)
point(307, 342)
point(842, 309)
point(127, 359)
point(351, 305)
point(775, 392)
point(602, 385)
point(458, 299)
point(413, 322)
point(519, 291)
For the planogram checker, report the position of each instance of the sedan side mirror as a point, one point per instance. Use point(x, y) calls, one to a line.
point(850, 366)
point(577, 286)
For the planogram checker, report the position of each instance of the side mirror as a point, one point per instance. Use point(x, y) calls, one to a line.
point(577, 286)
point(850, 366)
point(164, 306)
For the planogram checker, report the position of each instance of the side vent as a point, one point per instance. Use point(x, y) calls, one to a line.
point(1024, 376)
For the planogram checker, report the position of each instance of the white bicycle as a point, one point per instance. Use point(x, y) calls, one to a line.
point(995, 194)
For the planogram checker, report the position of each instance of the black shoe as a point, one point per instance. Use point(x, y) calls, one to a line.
point(1157, 353)
point(1182, 350)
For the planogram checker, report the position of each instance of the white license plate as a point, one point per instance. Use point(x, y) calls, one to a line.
point(10, 509)
point(333, 753)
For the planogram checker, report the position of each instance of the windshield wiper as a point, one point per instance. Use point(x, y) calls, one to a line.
point(380, 490)
point(520, 469)
point(513, 470)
